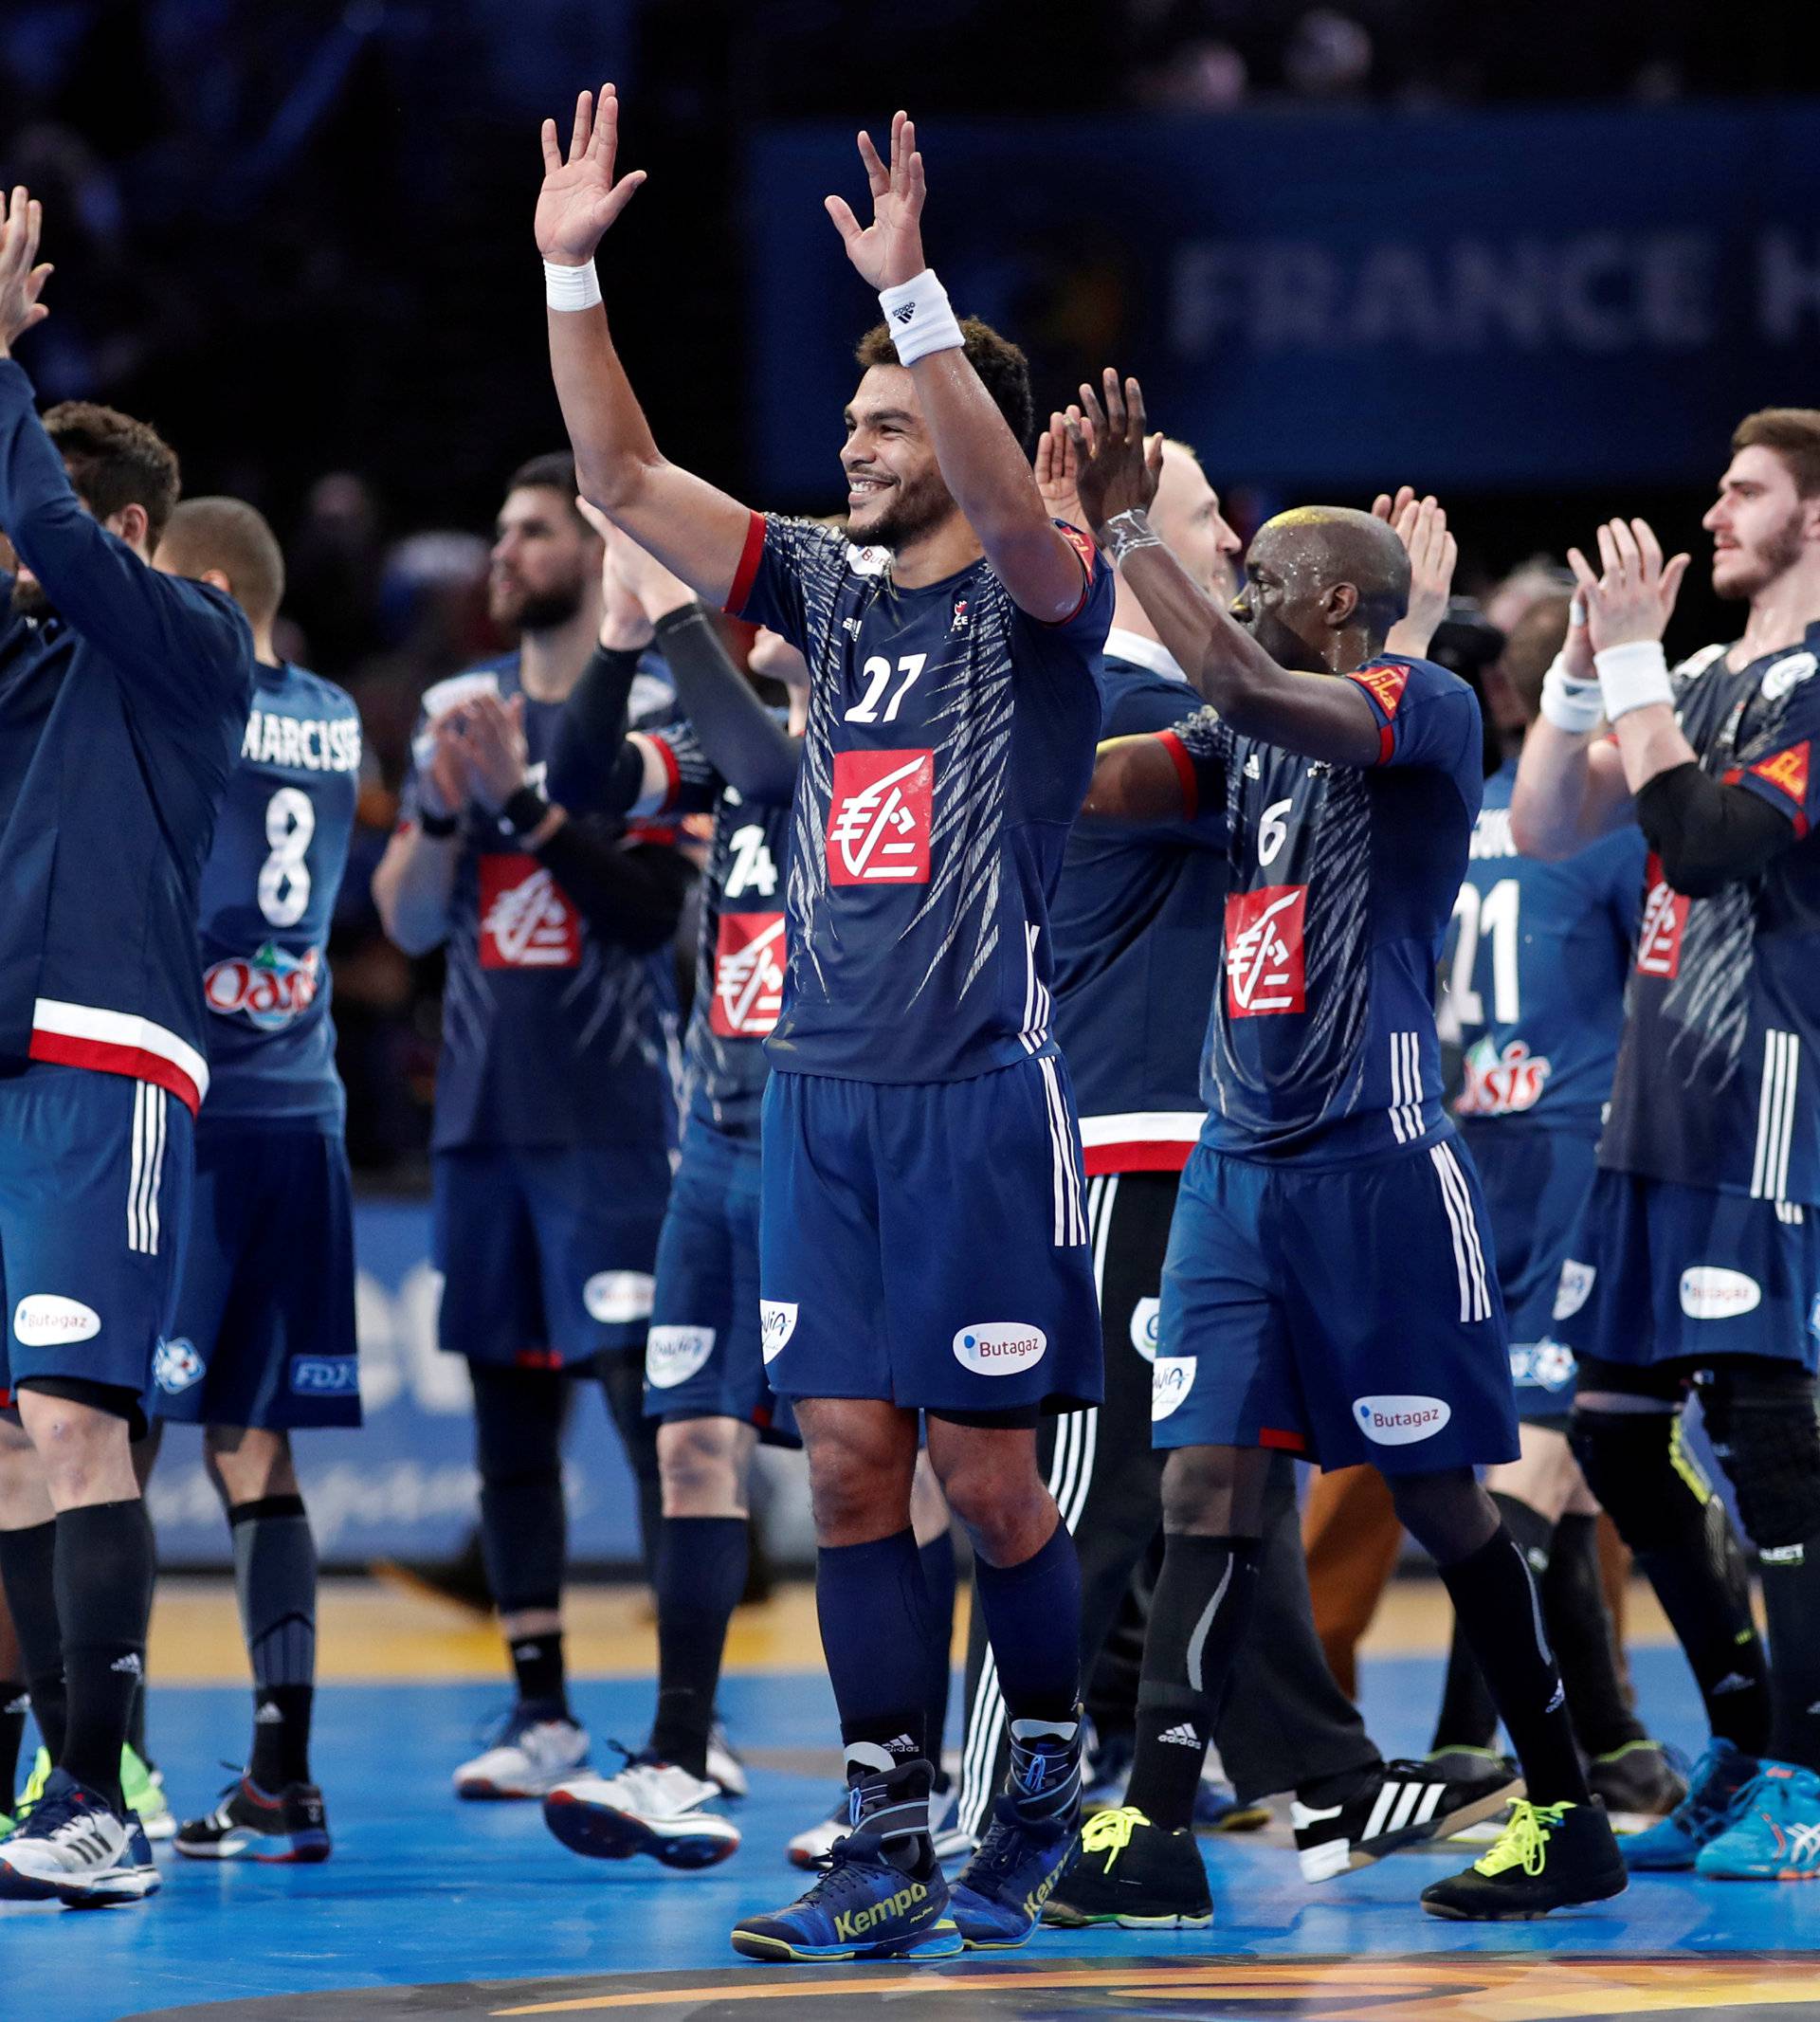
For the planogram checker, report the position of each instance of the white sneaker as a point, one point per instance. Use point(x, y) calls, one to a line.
point(529, 1759)
point(724, 1764)
point(73, 1847)
point(808, 1848)
point(648, 1808)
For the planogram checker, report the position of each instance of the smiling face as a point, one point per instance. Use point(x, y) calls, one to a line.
point(1761, 526)
point(894, 492)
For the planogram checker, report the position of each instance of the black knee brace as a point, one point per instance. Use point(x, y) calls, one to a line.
point(1638, 1466)
point(1760, 1418)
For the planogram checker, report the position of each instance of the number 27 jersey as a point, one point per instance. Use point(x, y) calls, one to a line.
point(949, 747)
point(268, 893)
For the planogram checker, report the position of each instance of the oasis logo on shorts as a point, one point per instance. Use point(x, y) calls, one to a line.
point(879, 815)
point(748, 975)
point(672, 1354)
point(526, 921)
point(1575, 1289)
point(175, 1365)
point(1000, 1348)
point(44, 1319)
point(1146, 1328)
point(325, 1375)
point(1542, 1365)
point(1665, 920)
point(1710, 1292)
point(1400, 1421)
point(615, 1296)
point(777, 1324)
point(1172, 1376)
point(270, 989)
point(1264, 960)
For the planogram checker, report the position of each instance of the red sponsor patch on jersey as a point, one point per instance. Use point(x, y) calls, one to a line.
point(879, 816)
point(1787, 771)
point(1665, 920)
point(526, 920)
point(1385, 685)
point(748, 975)
point(1264, 955)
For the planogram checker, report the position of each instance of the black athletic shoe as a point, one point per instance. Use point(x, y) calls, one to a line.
point(1130, 1872)
point(251, 1824)
point(1408, 1803)
point(1638, 1785)
point(1549, 1857)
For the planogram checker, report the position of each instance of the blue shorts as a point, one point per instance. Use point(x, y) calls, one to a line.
point(1536, 1183)
point(1667, 1273)
point(702, 1357)
point(1348, 1313)
point(265, 1334)
point(547, 1254)
point(926, 1242)
point(95, 1178)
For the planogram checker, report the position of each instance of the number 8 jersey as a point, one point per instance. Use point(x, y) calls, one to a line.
point(949, 747)
point(268, 893)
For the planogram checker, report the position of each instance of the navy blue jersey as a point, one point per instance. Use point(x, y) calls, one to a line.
point(1536, 972)
point(268, 893)
point(739, 945)
point(1322, 1044)
point(1718, 1082)
point(1135, 960)
point(551, 1034)
point(949, 747)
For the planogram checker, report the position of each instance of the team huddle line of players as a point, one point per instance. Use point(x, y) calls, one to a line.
point(1052, 821)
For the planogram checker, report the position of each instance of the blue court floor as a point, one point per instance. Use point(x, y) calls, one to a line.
point(423, 1891)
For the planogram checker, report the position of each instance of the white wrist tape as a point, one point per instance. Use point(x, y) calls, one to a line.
point(1571, 704)
point(920, 319)
point(571, 287)
point(1633, 675)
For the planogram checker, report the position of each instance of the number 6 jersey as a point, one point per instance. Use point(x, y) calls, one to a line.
point(268, 893)
point(949, 747)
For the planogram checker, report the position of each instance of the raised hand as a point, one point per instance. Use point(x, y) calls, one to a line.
point(21, 281)
point(493, 735)
point(1634, 595)
point(888, 251)
point(1420, 525)
point(1117, 467)
point(579, 198)
point(1058, 471)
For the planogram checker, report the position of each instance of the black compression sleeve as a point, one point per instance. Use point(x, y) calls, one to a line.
point(743, 742)
point(590, 764)
point(633, 897)
point(1707, 834)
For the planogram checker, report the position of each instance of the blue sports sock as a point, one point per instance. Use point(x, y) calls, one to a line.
point(876, 1630)
point(1034, 1621)
point(938, 1559)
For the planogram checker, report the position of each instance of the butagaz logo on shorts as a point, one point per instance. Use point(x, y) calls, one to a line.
point(1400, 1421)
point(1146, 1328)
point(1710, 1292)
point(777, 1324)
point(1172, 1376)
point(325, 1375)
point(45, 1320)
point(614, 1298)
point(175, 1365)
point(1575, 1289)
point(673, 1354)
point(1000, 1348)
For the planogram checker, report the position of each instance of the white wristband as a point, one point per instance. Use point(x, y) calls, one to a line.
point(1633, 675)
point(1568, 702)
point(571, 287)
point(920, 319)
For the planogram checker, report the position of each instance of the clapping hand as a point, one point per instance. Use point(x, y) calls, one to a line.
point(493, 743)
point(1420, 525)
point(1634, 596)
point(1058, 470)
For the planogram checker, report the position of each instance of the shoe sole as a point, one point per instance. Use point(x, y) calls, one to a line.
point(604, 1835)
point(937, 1942)
point(118, 1890)
point(304, 1848)
point(1757, 1874)
point(1438, 1828)
point(512, 1794)
point(1060, 1917)
point(1450, 1915)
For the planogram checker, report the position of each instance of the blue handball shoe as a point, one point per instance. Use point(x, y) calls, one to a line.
point(1774, 1832)
point(861, 1907)
point(998, 1895)
point(1673, 1846)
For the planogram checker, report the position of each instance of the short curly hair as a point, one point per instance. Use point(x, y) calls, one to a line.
point(114, 462)
point(1002, 366)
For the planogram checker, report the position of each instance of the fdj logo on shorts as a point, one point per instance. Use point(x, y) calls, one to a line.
point(1400, 1421)
point(1264, 957)
point(879, 815)
point(324, 1376)
point(526, 921)
point(748, 975)
point(1001, 1348)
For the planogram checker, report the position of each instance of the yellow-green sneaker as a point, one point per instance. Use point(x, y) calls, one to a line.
point(1548, 1856)
point(34, 1783)
point(143, 1789)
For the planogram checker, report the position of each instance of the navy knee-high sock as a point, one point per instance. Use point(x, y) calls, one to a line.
point(938, 1559)
point(1034, 1620)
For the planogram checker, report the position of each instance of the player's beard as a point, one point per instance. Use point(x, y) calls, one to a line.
point(1774, 556)
point(915, 510)
point(29, 599)
point(536, 611)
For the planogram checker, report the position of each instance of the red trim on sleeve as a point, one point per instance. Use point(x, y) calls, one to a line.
point(1086, 554)
point(1183, 772)
point(672, 772)
point(1385, 684)
point(744, 576)
point(1787, 771)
